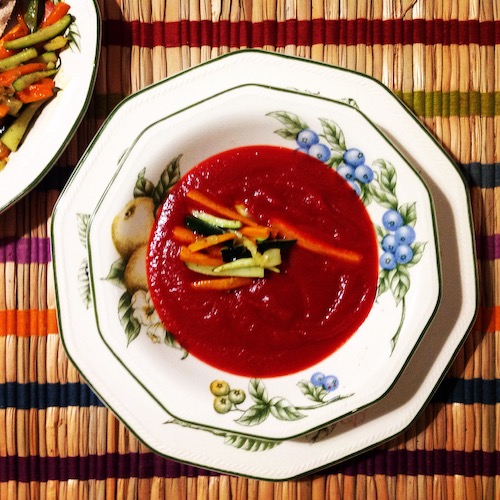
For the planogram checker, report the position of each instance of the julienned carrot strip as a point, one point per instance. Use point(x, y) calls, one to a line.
point(184, 235)
point(9, 76)
point(256, 232)
point(312, 244)
point(207, 202)
point(210, 241)
point(58, 12)
point(221, 283)
point(198, 258)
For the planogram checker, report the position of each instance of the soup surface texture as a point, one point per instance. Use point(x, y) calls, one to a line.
point(286, 321)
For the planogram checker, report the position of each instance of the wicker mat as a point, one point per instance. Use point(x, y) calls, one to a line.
point(442, 57)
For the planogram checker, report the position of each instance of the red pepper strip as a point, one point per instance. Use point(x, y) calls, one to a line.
point(9, 76)
point(37, 91)
point(48, 8)
point(19, 30)
point(314, 245)
point(58, 12)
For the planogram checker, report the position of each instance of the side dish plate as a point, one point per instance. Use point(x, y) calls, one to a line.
point(58, 121)
point(229, 451)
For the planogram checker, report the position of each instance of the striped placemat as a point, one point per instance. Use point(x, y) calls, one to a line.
point(442, 58)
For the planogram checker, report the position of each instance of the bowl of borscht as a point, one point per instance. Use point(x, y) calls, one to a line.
point(264, 262)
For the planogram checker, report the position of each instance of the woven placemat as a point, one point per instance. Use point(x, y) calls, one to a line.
point(442, 57)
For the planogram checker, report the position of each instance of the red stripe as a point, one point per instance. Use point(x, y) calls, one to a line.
point(301, 33)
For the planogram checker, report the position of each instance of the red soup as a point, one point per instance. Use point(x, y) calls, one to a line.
point(306, 305)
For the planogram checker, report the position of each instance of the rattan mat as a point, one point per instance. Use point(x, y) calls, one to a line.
point(442, 57)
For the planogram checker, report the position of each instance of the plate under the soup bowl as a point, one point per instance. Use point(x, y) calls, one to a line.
point(362, 369)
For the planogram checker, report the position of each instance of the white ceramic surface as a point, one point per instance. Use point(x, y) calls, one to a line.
point(221, 450)
point(58, 121)
point(367, 365)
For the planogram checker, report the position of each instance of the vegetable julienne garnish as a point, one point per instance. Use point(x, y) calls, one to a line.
point(29, 61)
point(227, 249)
point(239, 247)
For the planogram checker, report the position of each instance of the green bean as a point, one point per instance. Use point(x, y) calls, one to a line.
point(17, 59)
point(26, 80)
point(56, 43)
point(47, 57)
point(32, 15)
point(13, 136)
point(40, 36)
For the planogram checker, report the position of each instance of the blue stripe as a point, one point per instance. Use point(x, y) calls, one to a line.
point(483, 175)
point(455, 390)
point(42, 396)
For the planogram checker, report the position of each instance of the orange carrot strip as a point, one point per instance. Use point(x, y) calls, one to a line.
point(314, 245)
point(256, 232)
point(198, 258)
point(35, 92)
point(4, 110)
point(9, 76)
point(207, 202)
point(184, 235)
point(221, 283)
point(210, 241)
point(58, 12)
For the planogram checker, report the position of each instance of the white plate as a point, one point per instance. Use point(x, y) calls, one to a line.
point(368, 364)
point(230, 452)
point(58, 121)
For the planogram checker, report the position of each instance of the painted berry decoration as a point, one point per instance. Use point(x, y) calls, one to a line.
point(307, 138)
point(397, 242)
point(405, 235)
point(403, 254)
point(346, 172)
point(320, 151)
point(225, 398)
point(317, 378)
point(364, 174)
point(388, 261)
point(389, 243)
point(392, 220)
point(353, 157)
point(328, 382)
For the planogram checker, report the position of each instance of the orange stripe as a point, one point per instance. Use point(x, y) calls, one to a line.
point(488, 320)
point(28, 323)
